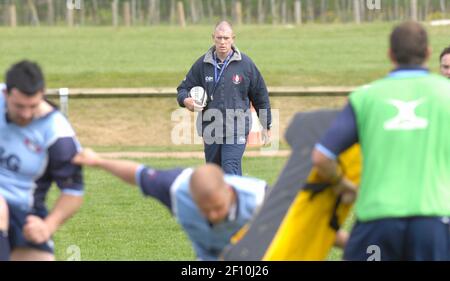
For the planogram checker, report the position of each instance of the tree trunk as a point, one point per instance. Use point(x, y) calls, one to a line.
point(153, 12)
point(426, 8)
point(362, 9)
point(126, 13)
point(223, 9)
point(194, 13)
point(414, 10)
point(357, 11)
point(180, 12)
point(298, 12)
point(443, 8)
point(273, 11)
point(201, 10)
point(173, 12)
point(261, 12)
point(310, 10)
point(69, 17)
point(396, 10)
point(283, 12)
point(238, 12)
point(82, 11)
point(210, 11)
point(95, 11)
point(133, 12)
point(115, 12)
point(338, 10)
point(248, 11)
point(323, 10)
point(34, 14)
point(50, 12)
point(12, 15)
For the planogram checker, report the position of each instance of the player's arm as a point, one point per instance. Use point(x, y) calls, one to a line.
point(151, 182)
point(69, 179)
point(259, 97)
point(340, 136)
point(123, 169)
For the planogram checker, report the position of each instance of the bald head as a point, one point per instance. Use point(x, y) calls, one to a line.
point(223, 26)
point(206, 180)
point(211, 193)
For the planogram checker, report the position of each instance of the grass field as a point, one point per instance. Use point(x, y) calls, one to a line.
point(160, 56)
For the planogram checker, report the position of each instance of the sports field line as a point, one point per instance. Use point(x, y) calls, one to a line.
point(189, 154)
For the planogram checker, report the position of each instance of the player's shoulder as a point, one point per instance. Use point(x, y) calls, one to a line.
point(181, 182)
point(246, 184)
point(246, 59)
point(366, 89)
point(57, 125)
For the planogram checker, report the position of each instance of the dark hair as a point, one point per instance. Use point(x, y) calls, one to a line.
point(446, 51)
point(25, 76)
point(409, 43)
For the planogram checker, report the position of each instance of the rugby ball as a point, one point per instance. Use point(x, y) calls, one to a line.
point(199, 95)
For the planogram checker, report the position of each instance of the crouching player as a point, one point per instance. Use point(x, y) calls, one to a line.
point(37, 144)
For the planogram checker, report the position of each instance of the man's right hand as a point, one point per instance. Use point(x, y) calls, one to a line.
point(190, 104)
point(86, 157)
point(347, 189)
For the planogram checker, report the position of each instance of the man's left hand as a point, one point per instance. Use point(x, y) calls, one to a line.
point(36, 230)
point(266, 137)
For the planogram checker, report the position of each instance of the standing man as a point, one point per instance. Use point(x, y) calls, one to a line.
point(402, 124)
point(231, 82)
point(210, 206)
point(37, 145)
point(444, 60)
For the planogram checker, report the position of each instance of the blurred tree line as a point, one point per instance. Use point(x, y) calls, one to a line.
point(177, 12)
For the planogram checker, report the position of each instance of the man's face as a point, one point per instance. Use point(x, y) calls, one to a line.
point(22, 108)
point(216, 206)
point(223, 40)
point(445, 65)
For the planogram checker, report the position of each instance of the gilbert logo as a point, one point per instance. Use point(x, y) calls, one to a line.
point(406, 118)
point(237, 79)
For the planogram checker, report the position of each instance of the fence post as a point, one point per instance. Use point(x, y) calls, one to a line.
point(115, 12)
point(127, 13)
point(181, 18)
point(12, 15)
point(64, 101)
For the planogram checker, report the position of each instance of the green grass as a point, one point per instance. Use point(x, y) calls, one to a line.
point(160, 56)
point(117, 223)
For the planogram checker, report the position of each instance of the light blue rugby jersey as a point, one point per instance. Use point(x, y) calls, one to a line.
point(171, 187)
point(34, 156)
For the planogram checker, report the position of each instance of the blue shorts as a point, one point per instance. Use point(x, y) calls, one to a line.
point(16, 239)
point(412, 239)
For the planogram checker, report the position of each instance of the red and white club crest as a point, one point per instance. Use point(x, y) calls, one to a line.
point(32, 146)
point(237, 79)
